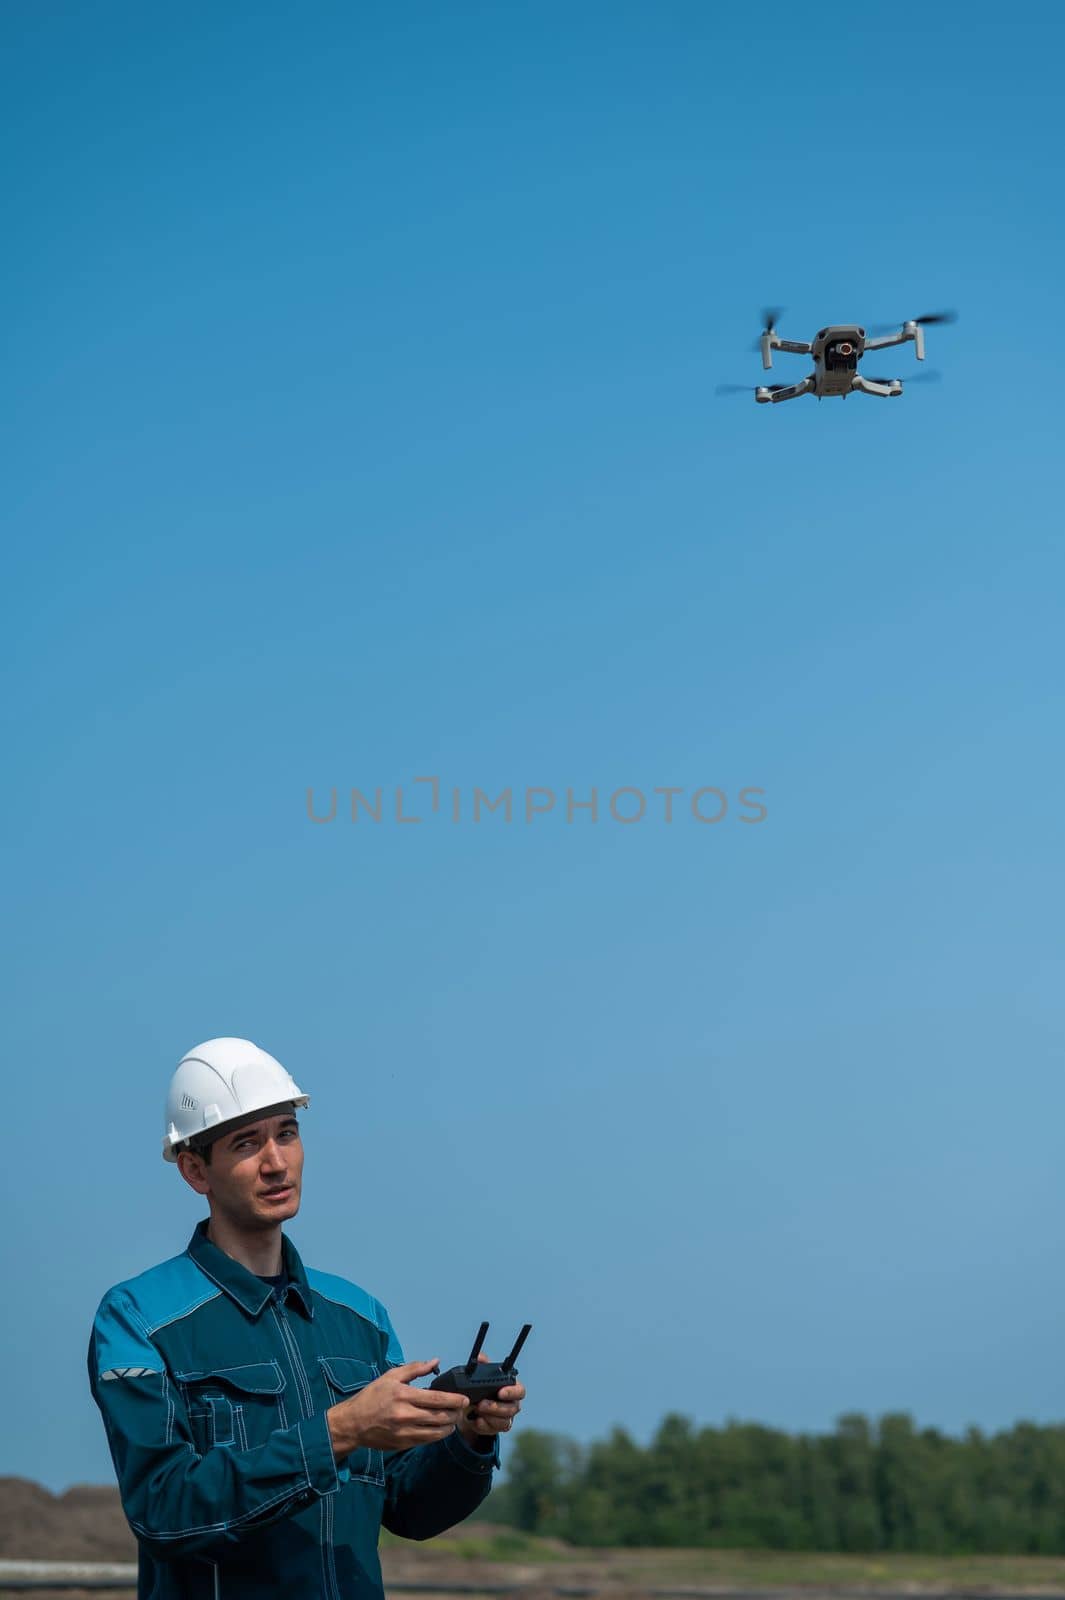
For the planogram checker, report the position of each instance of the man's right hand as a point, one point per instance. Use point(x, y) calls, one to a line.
point(391, 1415)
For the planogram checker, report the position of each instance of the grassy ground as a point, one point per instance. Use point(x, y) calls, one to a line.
point(543, 1566)
point(754, 1569)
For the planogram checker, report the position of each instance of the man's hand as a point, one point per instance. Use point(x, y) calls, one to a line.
point(489, 1417)
point(391, 1415)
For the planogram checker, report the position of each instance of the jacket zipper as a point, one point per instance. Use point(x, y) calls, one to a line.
point(306, 1404)
point(295, 1361)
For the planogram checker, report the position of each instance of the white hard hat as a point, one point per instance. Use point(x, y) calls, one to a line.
point(219, 1081)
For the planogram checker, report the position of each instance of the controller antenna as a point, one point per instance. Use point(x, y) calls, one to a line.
point(508, 1364)
point(475, 1352)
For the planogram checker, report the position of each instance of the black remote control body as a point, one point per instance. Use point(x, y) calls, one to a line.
point(482, 1380)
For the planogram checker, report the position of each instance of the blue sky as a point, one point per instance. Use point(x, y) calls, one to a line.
point(360, 425)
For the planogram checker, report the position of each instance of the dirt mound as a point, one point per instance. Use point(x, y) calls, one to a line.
point(84, 1524)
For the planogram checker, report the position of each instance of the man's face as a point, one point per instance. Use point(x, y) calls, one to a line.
point(255, 1173)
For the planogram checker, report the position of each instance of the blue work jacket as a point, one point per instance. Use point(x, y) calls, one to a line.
point(214, 1393)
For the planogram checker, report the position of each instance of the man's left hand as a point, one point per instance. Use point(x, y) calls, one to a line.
point(489, 1417)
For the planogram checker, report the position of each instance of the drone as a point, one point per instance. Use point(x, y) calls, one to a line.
point(837, 351)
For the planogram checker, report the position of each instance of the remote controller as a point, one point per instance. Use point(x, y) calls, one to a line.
point(482, 1380)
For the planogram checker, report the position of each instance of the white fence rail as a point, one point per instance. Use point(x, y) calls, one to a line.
point(16, 1575)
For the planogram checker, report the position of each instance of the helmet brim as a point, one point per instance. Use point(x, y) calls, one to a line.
point(220, 1129)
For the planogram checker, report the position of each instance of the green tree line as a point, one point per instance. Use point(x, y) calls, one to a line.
point(868, 1486)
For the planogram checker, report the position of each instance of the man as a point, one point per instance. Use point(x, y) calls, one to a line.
point(262, 1420)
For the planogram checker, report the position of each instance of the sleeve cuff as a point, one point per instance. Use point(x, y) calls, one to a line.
point(480, 1462)
point(318, 1457)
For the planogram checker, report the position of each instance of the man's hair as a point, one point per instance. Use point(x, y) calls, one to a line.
point(201, 1150)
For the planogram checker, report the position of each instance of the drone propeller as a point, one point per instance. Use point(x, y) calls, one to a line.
point(747, 388)
point(930, 317)
point(770, 317)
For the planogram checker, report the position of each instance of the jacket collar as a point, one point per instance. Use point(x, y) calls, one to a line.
point(243, 1286)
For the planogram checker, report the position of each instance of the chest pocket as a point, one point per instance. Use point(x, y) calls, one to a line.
point(345, 1376)
point(235, 1406)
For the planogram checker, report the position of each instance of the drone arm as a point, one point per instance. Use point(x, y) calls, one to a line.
point(886, 390)
point(790, 391)
point(771, 341)
point(888, 338)
point(909, 330)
